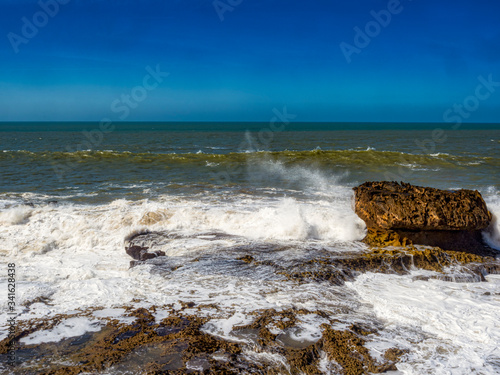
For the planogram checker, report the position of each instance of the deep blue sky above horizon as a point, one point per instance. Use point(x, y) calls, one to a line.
point(265, 54)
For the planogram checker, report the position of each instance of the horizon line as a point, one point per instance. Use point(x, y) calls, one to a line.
point(243, 122)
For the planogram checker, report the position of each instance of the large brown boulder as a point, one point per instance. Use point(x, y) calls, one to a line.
point(389, 205)
point(452, 220)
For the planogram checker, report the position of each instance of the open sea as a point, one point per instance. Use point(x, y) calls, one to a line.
point(71, 194)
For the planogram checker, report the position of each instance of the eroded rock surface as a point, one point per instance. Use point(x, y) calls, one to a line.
point(389, 205)
point(451, 220)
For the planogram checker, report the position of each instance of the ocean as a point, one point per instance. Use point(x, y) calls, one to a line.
point(281, 193)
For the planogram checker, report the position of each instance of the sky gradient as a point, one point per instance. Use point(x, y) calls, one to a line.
point(236, 60)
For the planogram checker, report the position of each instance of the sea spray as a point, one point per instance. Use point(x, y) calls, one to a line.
point(492, 233)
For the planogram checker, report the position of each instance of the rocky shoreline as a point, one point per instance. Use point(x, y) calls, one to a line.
point(399, 237)
point(178, 345)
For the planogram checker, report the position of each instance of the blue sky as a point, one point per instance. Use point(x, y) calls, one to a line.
point(263, 54)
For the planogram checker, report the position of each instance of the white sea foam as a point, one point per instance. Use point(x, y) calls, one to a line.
point(72, 327)
point(492, 233)
point(116, 314)
point(439, 154)
point(308, 329)
point(327, 366)
point(417, 167)
point(461, 321)
point(73, 256)
point(288, 219)
point(223, 327)
point(15, 215)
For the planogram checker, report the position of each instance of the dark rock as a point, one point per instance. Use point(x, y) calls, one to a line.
point(470, 241)
point(135, 251)
point(124, 336)
point(148, 245)
point(403, 214)
point(141, 253)
point(139, 245)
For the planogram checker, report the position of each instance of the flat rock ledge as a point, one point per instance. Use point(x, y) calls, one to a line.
point(400, 214)
point(178, 344)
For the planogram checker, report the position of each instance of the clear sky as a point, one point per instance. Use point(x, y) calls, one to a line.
point(236, 60)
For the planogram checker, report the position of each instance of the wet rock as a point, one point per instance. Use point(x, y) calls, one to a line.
point(124, 336)
point(141, 253)
point(403, 214)
point(455, 266)
point(394, 354)
point(138, 245)
point(143, 246)
point(247, 259)
point(185, 347)
point(348, 350)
